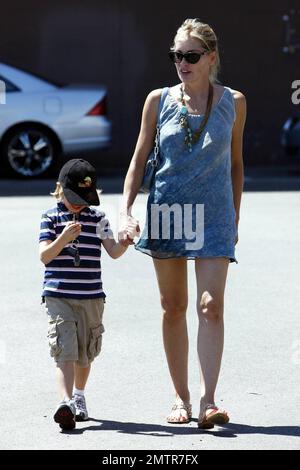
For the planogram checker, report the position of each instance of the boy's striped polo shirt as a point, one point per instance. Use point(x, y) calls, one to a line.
point(62, 278)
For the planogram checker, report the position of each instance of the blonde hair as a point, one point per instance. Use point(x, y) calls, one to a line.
point(195, 28)
point(58, 193)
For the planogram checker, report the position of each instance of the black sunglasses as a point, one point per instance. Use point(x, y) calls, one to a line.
point(190, 57)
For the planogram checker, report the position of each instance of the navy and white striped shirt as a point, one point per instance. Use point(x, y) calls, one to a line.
point(62, 278)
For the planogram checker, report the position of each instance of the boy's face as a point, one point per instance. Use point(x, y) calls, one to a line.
point(72, 207)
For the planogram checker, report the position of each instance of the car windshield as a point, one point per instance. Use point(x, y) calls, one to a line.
point(45, 79)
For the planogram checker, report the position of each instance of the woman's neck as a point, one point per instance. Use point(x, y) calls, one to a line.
point(197, 89)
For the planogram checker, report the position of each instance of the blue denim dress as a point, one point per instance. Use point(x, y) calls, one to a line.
point(187, 183)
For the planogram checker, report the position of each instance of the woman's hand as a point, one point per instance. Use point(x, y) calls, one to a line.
point(129, 228)
point(132, 228)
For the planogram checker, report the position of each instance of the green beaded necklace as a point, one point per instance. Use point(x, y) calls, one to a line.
point(193, 136)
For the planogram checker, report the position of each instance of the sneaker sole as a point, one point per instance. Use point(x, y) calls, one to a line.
point(65, 418)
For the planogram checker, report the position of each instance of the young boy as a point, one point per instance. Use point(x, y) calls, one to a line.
point(71, 236)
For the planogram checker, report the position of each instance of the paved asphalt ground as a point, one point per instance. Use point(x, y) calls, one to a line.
point(129, 392)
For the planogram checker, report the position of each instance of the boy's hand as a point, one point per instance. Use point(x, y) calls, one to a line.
point(71, 231)
point(126, 242)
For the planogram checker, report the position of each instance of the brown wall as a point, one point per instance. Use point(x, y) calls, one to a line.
point(123, 44)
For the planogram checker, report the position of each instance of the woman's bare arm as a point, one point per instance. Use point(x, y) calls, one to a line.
point(143, 147)
point(237, 166)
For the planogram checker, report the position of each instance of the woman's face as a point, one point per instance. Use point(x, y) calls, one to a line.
point(187, 72)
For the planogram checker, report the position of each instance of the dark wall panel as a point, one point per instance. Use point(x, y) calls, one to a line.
point(124, 45)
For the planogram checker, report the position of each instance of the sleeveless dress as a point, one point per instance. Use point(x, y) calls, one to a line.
point(190, 208)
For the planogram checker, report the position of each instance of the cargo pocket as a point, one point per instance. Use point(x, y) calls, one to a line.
point(55, 348)
point(95, 343)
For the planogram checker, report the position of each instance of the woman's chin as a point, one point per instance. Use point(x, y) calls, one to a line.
point(185, 77)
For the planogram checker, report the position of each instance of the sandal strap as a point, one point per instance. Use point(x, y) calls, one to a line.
point(213, 408)
point(182, 406)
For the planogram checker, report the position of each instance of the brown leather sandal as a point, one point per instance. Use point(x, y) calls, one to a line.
point(212, 415)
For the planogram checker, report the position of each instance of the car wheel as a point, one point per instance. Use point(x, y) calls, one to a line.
point(29, 152)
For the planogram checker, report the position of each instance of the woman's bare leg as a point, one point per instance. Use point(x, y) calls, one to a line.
point(172, 281)
point(211, 276)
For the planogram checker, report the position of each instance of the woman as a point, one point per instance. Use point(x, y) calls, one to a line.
point(197, 167)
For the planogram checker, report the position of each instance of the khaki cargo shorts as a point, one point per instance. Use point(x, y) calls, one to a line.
point(75, 329)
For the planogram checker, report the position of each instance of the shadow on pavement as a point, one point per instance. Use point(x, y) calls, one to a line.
point(231, 430)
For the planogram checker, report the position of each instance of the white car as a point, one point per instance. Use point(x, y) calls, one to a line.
point(40, 121)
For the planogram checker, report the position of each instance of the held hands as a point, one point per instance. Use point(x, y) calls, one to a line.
point(71, 231)
point(129, 228)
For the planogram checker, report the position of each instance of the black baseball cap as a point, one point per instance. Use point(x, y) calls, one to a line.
point(78, 179)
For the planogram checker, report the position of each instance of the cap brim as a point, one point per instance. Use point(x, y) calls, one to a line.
point(86, 198)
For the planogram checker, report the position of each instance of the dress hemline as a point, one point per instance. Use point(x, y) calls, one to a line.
point(231, 258)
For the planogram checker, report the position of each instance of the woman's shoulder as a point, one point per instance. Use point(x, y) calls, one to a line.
point(237, 95)
point(240, 104)
point(155, 94)
point(153, 99)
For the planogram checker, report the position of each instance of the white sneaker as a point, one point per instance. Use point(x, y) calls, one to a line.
point(80, 407)
point(65, 415)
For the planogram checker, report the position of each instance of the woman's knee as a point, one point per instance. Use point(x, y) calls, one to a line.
point(210, 307)
point(173, 309)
